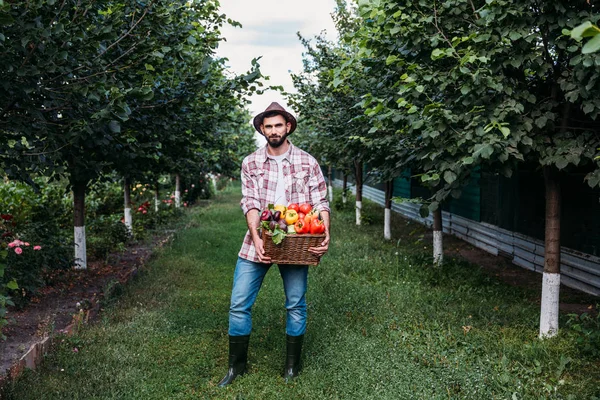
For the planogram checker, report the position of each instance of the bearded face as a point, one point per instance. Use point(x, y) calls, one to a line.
point(276, 130)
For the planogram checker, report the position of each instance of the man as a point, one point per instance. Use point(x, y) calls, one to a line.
point(278, 173)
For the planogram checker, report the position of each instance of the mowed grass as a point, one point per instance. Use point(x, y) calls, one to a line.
point(383, 324)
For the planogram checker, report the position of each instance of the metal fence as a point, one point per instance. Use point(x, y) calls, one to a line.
point(578, 270)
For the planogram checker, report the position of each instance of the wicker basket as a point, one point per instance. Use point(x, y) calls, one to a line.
point(293, 249)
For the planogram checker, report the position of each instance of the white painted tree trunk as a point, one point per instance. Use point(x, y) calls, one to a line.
point(127, 206)
point(387, 224)
point(358, 212)
point(80, 248)
point(344, 198)
point(128, 219)
point(438, 247)
point(330, 191)
point(156, 201)
point(214, 182)
point(79, 189)
point(177, 191)
point(550, 302)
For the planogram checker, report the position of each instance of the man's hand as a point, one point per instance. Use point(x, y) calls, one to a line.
point(322, 249)
point(260, 251)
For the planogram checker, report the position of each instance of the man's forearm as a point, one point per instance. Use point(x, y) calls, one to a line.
point(325, 217)
point(252, 219)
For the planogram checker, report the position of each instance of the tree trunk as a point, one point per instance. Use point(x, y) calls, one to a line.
point(127, 204)
point(330, 189)
point(387, 225)
point(551, 279)
point(344, 189)
point(79, 224)
point(177, 191)
point(358, 173)
point(438, 238)
point(156, 197)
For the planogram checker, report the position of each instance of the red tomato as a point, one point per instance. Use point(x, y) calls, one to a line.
point(305, 208)
point(317, 226)
point(301, 215)
point(301, 227)
point(294, 206)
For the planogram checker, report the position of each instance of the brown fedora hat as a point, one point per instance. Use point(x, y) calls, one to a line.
point(280, 110)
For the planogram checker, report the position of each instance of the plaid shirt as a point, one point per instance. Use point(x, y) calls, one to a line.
point(304, 183)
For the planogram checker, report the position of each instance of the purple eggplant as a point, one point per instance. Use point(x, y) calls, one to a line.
point(282, 225)
point(272, 225)
point(276, 215)
point(266, 215)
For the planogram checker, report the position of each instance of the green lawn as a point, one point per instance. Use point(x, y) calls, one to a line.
point(383, 324)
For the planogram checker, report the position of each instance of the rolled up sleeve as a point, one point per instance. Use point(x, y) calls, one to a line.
point(318, 189)
point(250, 190)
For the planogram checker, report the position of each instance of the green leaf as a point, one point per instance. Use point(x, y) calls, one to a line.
point(391, 59)
point(149, 67)
point(515, 35)
point(192, 40)
point(6, 19)
point(483, 151)
point(12, 285)
point(584, 30)
point(562, 163)
point(449, 176)
point(114, 126)
point(278, 236)
point(591, 46)
point(505, 131)
point(437, 53)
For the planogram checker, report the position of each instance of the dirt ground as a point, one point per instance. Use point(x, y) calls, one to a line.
point(571, 300)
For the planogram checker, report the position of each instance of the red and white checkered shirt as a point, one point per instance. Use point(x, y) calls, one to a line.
point(304, 183)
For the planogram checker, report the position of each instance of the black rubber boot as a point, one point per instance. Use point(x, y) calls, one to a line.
point(292, 359)
point(238, 356)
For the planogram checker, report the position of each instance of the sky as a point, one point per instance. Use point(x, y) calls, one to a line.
point(269, 30)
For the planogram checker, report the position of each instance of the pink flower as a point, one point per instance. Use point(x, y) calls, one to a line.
point(12, 244)
point(193, 185)
point(185, 204)
point(18, 250)
point(144, 212)
point(172, 196)
point(186, 190)
point(26, 243)
point(37, 247)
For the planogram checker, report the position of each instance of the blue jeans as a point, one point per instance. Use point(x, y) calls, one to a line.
point(248, 278)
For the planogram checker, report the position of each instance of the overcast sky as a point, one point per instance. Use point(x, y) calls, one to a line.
point(269, 30)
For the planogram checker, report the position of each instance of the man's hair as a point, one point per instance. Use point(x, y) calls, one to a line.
point(272, 114)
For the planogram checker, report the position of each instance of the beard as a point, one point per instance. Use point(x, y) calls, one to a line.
point(277, 141)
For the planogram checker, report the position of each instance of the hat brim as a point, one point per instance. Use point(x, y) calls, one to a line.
point(258, 120)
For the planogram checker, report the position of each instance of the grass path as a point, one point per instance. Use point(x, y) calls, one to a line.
point(383, 324)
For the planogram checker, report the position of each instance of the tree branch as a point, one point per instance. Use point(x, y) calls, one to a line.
point(124, 36)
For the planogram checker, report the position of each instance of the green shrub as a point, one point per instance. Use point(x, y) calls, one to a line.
point(106, 233)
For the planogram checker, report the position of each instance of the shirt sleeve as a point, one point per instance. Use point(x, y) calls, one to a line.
point(318, 189)
point(250, 190)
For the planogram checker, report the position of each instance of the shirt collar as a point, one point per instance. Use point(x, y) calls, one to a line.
point(288, 155)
